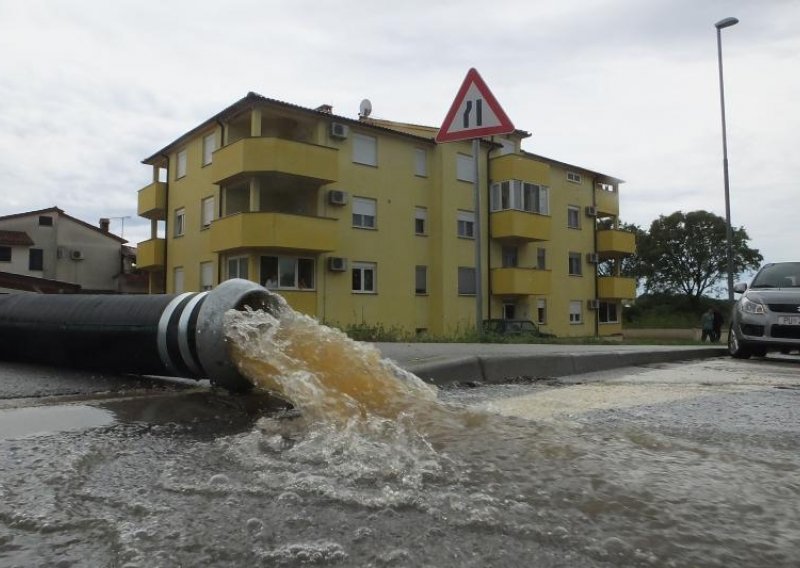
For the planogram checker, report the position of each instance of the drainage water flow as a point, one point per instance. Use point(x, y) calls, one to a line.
point(375, 468)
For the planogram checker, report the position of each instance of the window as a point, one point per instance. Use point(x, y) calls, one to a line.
point(45, 221)
point(573, 217)
point(237, 267)
point(575, 265)
point(364, 212)
point(509, 311)
point(209, 145)
point(180, 170)
point(180, 221)
point(541, 311)
point(420, 162)
point(519, 195)
point(206, 212)
point(466, 224)
point(607, 312)
point(421, 280)
point(466, 281)
point(465, 168)
point(178, 283)
point(575, 311)
point(206, 275)
point(365, 150)
point(420, 221)
point(5, 254)
point(573, 177)
point(287, 272)
point(541, 258)
point(364, 277)
point(35, 259)
point(510, 257)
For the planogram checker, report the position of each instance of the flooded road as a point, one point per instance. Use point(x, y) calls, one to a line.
point(680, 465)
point(704, 474)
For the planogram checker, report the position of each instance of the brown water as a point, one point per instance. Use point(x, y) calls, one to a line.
point(325, 374)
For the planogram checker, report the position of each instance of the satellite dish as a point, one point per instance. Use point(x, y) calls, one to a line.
point(365, 108)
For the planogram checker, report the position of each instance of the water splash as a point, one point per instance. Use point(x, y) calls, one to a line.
point(325, 374)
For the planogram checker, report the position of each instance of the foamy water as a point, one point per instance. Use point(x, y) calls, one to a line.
point(325, 374)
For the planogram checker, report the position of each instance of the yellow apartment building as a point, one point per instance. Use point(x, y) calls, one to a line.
point(371, 221)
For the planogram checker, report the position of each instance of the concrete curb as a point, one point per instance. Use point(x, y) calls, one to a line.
point(500, 369)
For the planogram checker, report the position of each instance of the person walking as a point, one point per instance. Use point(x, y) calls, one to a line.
point(707, 323)
point(717, 326)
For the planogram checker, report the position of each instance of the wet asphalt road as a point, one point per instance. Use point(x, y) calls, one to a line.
point(630, 467)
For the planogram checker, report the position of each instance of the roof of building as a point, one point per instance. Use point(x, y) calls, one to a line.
point(15, 239)
point(415, 131)
point(36, 284)
point(601, 177)
point(254, 99)
point(61, 213)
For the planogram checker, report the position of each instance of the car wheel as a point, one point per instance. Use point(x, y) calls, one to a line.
point(735, 347)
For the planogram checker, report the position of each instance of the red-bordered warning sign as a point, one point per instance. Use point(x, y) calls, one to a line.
point(474, 113)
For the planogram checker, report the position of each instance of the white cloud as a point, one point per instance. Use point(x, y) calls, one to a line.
point(620, 86)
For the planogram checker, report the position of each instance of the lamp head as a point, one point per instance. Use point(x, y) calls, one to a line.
point(726, 23)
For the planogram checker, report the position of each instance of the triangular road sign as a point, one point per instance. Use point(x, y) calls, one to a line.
point(474, 113)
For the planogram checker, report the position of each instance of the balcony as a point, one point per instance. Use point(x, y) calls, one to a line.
point(150, 255)
point(153, 201)
point(274, 230)
point(616, 288)
point(606, 202)
point(613, 243)
point(520, 281)
point(263, 155)
point(515, 225)
point(514, 166)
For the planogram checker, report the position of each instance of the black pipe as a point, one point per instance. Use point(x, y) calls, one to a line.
point(178, 335)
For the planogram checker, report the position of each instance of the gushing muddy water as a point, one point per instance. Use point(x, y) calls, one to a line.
point(372, 467)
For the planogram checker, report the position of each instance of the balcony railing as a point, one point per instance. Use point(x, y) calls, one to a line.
point(274, 230)
point(606, 202)
point(520, 226)
point(263, 155)
point(153, 201)
point(515, 166)
point(150, 255)
point(616, 288)
point(615, 243)
point(520, 281)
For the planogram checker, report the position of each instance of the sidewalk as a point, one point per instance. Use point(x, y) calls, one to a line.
point(446, 363)
point(439, 363)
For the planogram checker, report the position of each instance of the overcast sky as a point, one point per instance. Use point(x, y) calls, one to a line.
point(89, 88)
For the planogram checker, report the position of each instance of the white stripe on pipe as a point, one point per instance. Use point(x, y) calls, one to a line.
point(163, 324)
point(183, 336)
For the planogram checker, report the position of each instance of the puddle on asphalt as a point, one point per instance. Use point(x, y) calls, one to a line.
point(44, 420)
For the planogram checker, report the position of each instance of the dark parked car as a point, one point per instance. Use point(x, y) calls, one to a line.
point(767, 316)
point(513, 327)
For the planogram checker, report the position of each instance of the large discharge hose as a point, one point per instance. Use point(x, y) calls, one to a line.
point(177, 335)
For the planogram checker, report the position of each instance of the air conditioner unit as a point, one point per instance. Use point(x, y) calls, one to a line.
point(591, 211)
point(339, 130)
point(337, 197)
point(337, 264)
point(592, 257)
point(76, 255)
point(593, 304)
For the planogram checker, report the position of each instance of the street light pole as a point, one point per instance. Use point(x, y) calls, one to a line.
point(726, 23)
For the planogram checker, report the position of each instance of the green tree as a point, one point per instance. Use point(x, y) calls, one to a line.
point(686, 253)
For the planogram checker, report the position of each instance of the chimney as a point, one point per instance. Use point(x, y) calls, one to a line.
point(104, 224)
